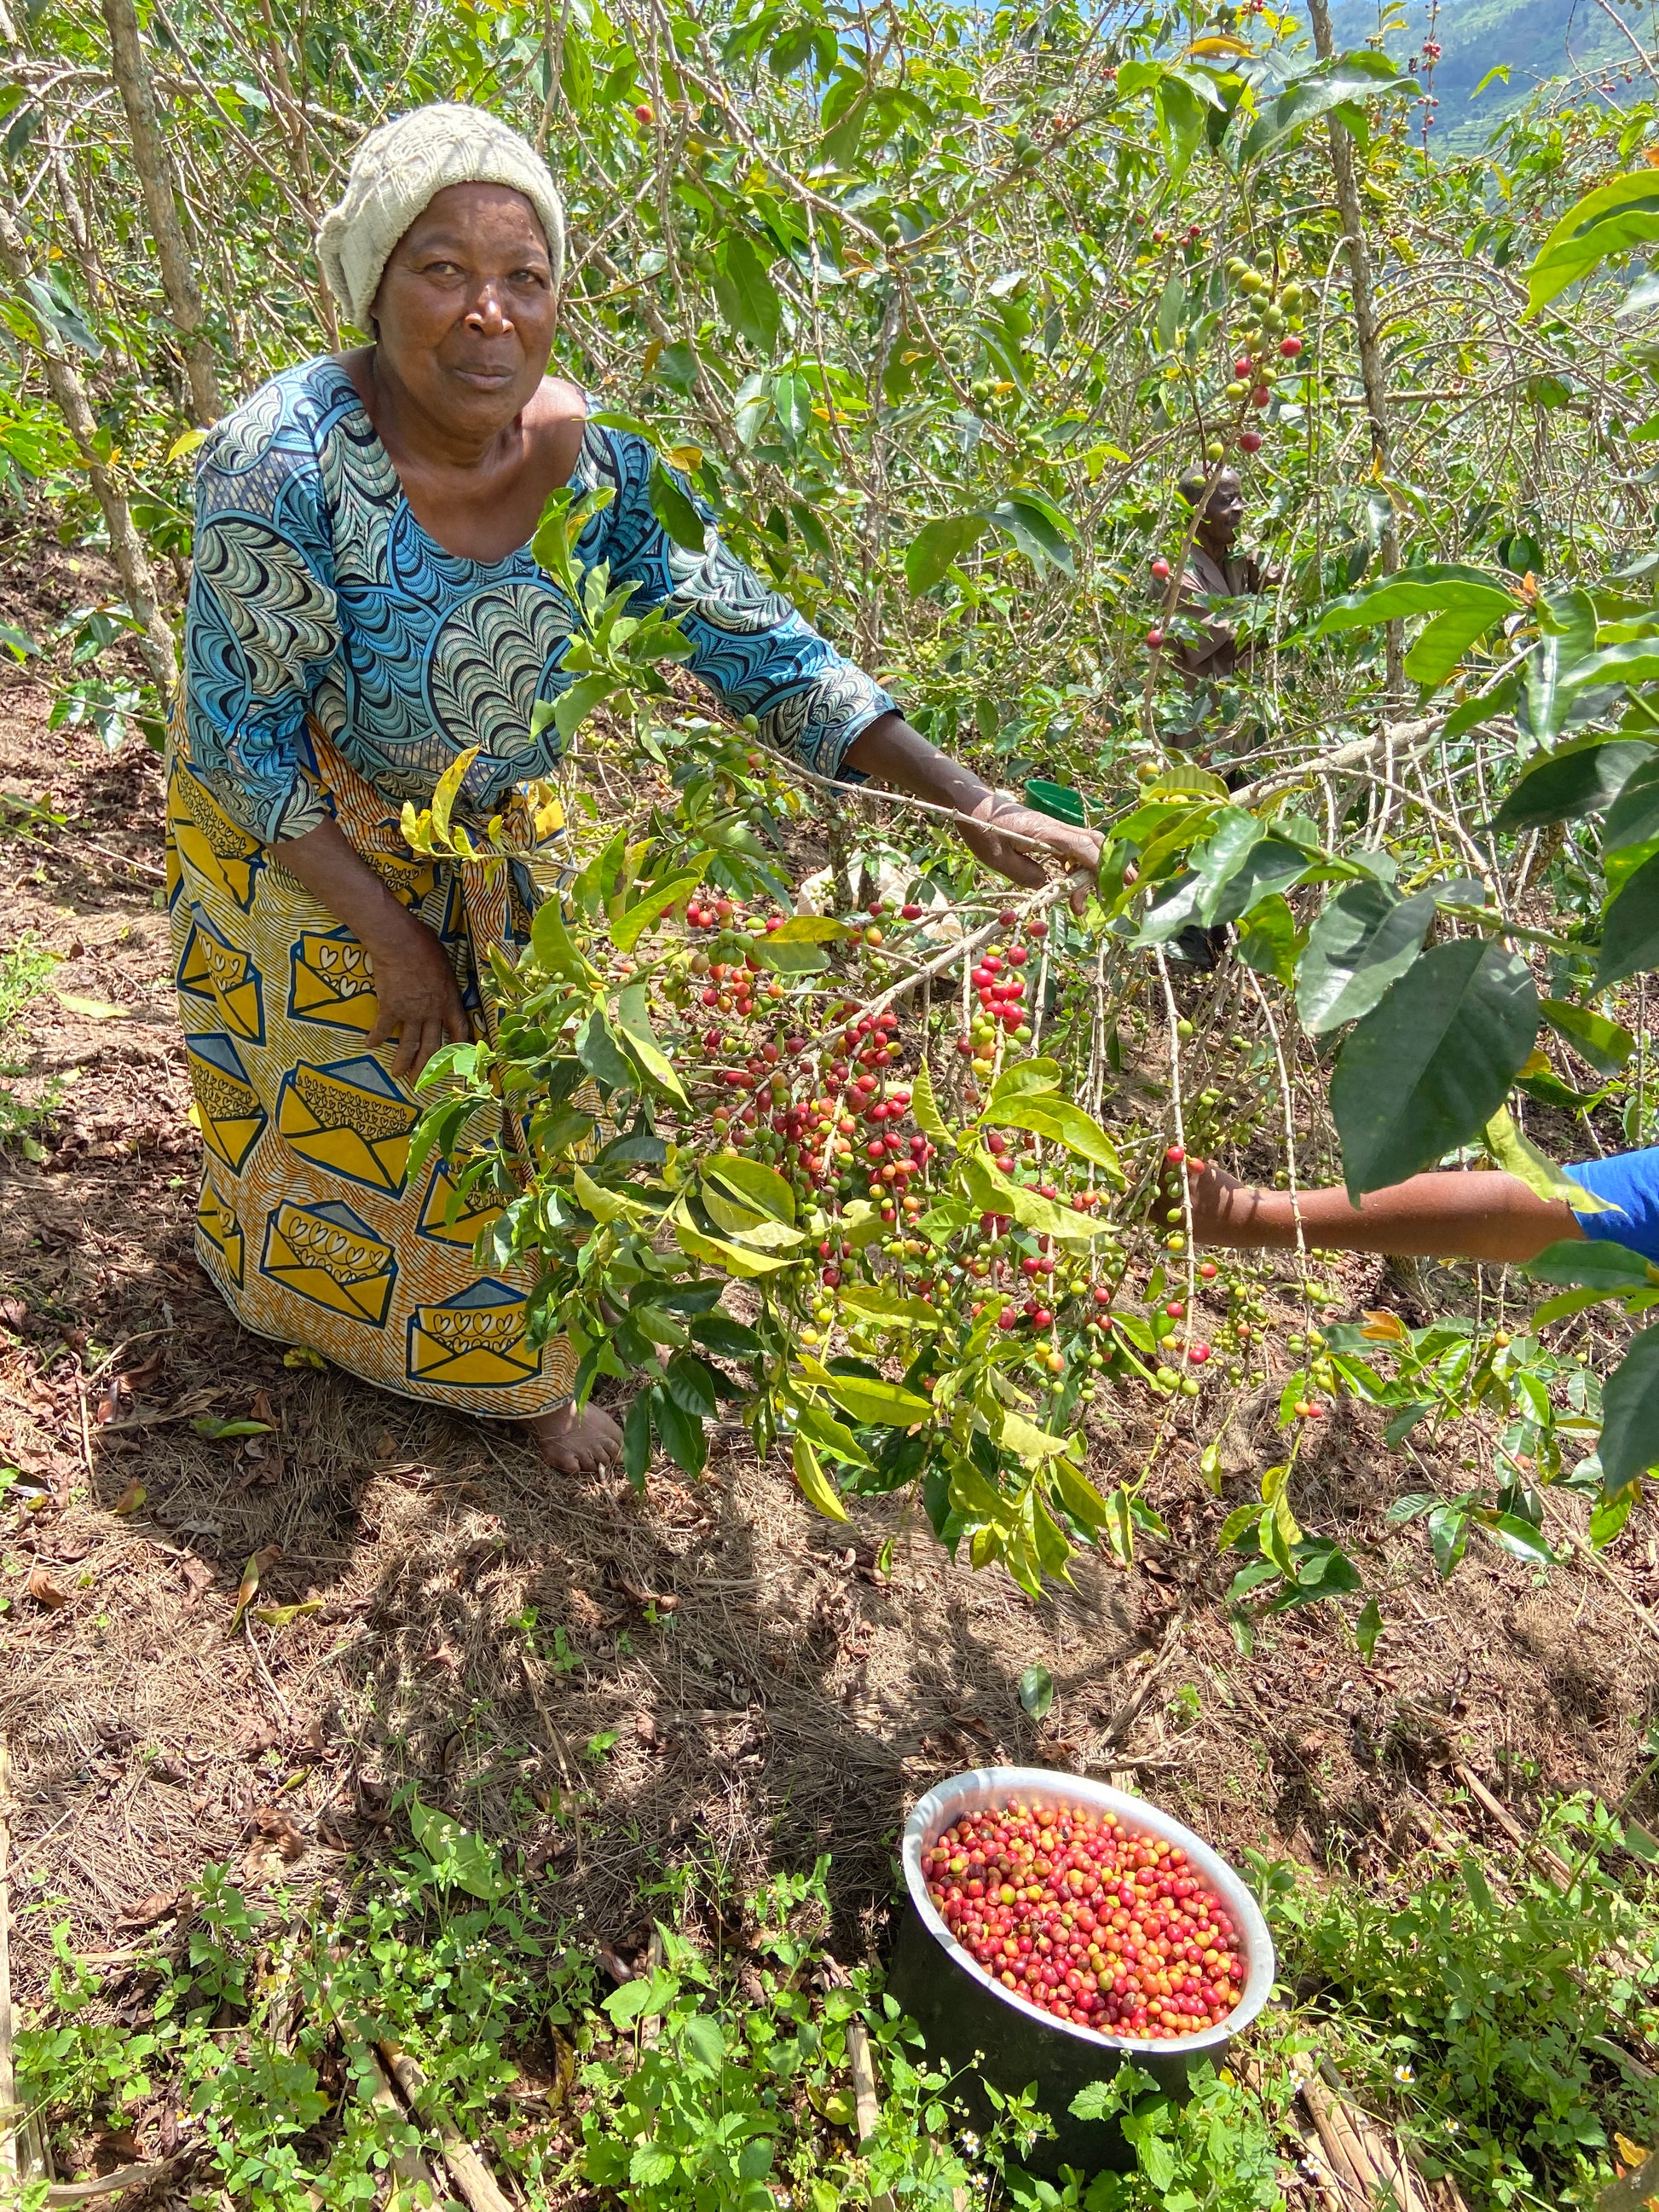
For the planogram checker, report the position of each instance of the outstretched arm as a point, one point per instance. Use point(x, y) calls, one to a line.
point(1480, 1214)
point(890, 750)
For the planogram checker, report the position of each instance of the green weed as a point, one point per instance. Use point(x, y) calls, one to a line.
point(1486, 2020)
point(23, 971)
point(1496, 2023)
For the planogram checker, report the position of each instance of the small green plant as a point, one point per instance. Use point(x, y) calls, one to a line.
point(23, 970)
point(1492, 2014)
point(1214, 2152)
point(264, 2013)
point(711, 2101)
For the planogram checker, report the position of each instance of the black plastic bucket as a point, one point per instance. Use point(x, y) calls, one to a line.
point(984, 2033)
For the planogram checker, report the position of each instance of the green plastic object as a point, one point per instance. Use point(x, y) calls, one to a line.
point(1057, 800)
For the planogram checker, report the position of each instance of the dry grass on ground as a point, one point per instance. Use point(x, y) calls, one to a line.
point(705, 1668)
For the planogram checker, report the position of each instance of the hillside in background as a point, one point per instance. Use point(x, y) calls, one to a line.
point(1539, 41)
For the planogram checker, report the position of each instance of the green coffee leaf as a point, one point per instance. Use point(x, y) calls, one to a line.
point(1580, 777)
point(759, 1185)
point(886, 1404)
point(1036, 1691)
point(1630, 1414)
point(1432, 1062)
point(674, 509)
point(1604, 1044)
point(938, 546)
point(1366, 939)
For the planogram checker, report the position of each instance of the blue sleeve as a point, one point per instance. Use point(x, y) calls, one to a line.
point(1629, 1180)
point(749, 644)
point(262, 629)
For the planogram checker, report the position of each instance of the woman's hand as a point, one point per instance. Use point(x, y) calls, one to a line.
point(418, 1001)
point(1078, 849)
point(891, 749)
point(415, 993)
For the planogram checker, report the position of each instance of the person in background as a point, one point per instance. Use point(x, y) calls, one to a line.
point(1215, 571)
point(1480, 1214)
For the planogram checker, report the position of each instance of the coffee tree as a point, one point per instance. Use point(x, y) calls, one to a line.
point(932, 308)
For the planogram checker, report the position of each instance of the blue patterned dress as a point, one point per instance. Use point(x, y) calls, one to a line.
point(336, 660)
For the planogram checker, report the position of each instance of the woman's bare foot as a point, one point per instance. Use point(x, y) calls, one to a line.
point(577, 1442)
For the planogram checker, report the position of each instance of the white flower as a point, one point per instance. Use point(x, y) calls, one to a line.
point(1403, 2074)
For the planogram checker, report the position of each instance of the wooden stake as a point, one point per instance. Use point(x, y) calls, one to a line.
point(1342, 2146)
point(62, 2194)
point(865, 2102)
point(472, 2176)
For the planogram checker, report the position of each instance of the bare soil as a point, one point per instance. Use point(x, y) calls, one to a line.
point(734, 1674)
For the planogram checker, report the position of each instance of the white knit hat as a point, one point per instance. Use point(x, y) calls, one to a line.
point(397, 173)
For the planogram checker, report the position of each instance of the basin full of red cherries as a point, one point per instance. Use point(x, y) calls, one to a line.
point(1088, 1921)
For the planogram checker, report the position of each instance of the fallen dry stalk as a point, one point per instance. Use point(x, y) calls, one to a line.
point(471, 2176)
point(408, 2166)
point(150, 2175)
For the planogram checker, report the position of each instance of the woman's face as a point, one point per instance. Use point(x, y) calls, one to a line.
point(465, 307)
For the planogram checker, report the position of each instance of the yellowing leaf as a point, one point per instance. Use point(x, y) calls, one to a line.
point(925, 1107)
point(131, 1498)
point(248, 1588)
point(280, 1616)
point(606, 1204)
point(186, 444)
point(1384, 1328)
point(301, 1355)
point(717, 1250)
point(94, 1010)
point(1027, 1440)
point(448, 789)
point(815, 1486)
point(1518, 1155)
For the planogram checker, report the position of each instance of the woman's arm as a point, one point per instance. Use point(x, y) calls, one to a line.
point(1482, 1214)
point(889, 750)
point(417, 996)
point(764, 658)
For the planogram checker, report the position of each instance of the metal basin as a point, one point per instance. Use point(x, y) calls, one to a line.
point(984, 2033)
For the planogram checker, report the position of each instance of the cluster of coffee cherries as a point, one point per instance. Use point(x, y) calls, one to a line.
point(1266, 337)
point(845, 1132)
point(731, 978)
point(1088, 1921)
point(999, 987)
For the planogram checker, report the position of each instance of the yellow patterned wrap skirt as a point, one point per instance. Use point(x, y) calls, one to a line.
point(309, 1222)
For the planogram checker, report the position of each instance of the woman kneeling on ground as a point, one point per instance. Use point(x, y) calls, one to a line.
point(365, 607)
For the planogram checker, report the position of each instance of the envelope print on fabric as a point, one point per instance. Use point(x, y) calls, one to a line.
point(217, 1227)
point(225, 856)
point(349, 1117)
point(326, 1254)
point(473, 1340)
point(212, 968)
point(330, 980)
point(434, 1221)
point(233, 1120)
